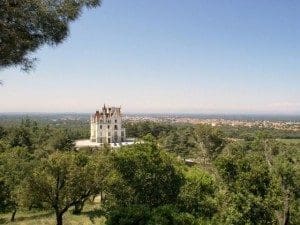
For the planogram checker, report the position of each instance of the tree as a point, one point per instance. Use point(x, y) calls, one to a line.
point(16, 165)
point(287, 168)
point(64, 179)
point(181, 141)
point(170, 215)
point(197, 194)
point(145, 175)
point(5, 200)
point(211, 138)
point(62, 140)
point(21, 137)
point(133, 214)
point(101, 166)
point(25, 25)
point(252, 188)
point(3, 132)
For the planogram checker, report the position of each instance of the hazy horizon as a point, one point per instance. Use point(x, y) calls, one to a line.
point(209, 57)
point(151, 113)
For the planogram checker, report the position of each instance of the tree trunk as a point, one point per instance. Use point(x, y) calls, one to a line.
point(287, 218)
point(12, 219)
point(286, 209)
point(78, 207)
point(101, 197)
point(59, 218)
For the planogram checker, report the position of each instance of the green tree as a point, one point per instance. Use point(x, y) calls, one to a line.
point(99, 163)
point(129, 215)
point(197, 195)
point(16, 165)
point(61, 140)
point(25, 25)
point(252, 188)
point(5, 196)
point(170, 215)
point(287, 168)
point(143, 174)
point(211, 138)
point(181, 141)
point(21, 137)
point(3, 132)
point(64, 179)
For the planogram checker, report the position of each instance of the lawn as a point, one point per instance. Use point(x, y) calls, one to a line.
point(91, 215)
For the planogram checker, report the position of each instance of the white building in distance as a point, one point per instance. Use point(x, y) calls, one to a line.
point(106, 126)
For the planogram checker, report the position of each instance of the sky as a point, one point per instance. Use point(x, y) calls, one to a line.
point(151, 56)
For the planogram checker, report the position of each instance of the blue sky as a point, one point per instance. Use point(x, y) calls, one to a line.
point(191, 56)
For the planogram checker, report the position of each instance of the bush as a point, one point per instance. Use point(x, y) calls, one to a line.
point(169, 215)
point(134, 214)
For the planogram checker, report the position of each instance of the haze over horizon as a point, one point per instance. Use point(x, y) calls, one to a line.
point(160, 57)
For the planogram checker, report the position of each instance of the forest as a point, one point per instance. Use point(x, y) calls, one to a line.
point(179, 174)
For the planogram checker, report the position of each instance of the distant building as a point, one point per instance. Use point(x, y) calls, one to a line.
point(106, 126)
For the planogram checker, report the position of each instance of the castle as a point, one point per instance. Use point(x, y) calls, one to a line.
point(106, 126)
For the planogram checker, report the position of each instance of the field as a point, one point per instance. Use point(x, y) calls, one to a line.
point(90, 215)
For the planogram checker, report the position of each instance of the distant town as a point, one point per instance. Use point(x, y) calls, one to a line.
point(245, 122)
point(280, 122)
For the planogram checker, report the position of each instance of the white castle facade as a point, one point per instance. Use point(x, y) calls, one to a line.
point(106, 126)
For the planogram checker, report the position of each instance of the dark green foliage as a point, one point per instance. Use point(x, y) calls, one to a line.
point(253, 182)
point(211, 138)
point(182, 141)
point(65, 179)
point(194, 141)
point(287, 168)
point(5, 196)
point(25, 25)
point(141, 129)
point(252, 187)
point(3, 132)
point(143, 215)
point(170, 215)
point(150, 176)
point(249, 133)
point(21, 137)
point(197, 194)
point(16, 166)
point(62, 141)
point(130, 215)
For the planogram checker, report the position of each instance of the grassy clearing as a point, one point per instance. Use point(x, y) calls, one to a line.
point(91, 215)
point(290, 141)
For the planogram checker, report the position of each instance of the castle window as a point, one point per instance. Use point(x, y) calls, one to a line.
point(116, 127)
point(100, 126)
point(116, 121)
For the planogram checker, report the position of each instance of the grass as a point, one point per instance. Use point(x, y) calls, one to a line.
point(290, 141)
point(91, 215)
